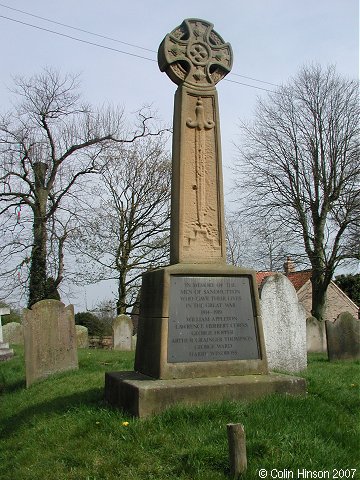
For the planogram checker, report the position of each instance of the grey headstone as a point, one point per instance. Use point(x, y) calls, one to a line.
point(343, 338)
point(284, 325)
point(315, 335)
point(13, 333)
point(122, 328)
point(50, 340)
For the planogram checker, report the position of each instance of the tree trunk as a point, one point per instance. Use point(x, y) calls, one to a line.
point(38, 275)
point(121, 302)
point(319, 288)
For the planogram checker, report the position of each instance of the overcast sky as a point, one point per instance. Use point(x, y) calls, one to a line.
point(271, 40)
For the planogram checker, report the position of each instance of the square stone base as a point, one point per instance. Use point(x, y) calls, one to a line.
point(159, 353)
point(142, 396)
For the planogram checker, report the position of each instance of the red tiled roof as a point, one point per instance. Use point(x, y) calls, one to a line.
point(260, 276)
point(298, 279)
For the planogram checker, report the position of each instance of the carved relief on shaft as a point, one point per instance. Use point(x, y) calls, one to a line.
point(201, 221)
point(200, 125)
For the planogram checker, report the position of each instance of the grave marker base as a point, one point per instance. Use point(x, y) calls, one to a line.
point(175, 298)
point(141, 395)
point(5, 352)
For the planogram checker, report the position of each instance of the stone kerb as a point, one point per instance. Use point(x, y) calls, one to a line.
point(13, 333)
point(49, 339)
point(284, 325)
point(122, 329)
point(82, 336)
point(343, 338)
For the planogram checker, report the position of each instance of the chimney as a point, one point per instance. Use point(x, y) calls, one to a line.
point(289, 266)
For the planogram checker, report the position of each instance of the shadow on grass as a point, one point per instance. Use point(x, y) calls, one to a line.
point(93, 397)
point(315, 357)
point(13, 387)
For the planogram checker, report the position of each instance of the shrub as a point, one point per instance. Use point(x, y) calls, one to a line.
point(94, 325)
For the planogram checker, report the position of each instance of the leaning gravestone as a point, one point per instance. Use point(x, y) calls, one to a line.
point(5, 352)
point(122, 329)
point(200, 334)
point(284, 323)
point(13, 333)
point(50, 340)
point(343, 338)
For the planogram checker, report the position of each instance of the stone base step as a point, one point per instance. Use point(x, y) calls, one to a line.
point(142, 396)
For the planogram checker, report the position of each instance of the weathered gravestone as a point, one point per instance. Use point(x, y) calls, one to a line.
point(50, 340)
point(13, 333)
point(199, 335)
point(5, 352)
point(82, 336)
point(343, 338)
point(122, 330)
point(284, 325)
point(315, 335)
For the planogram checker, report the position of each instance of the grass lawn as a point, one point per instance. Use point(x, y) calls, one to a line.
point(60, 428)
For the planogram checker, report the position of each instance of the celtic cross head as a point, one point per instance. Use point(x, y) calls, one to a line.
point(195, 54)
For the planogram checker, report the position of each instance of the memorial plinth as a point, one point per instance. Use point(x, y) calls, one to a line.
point(199, 321)
point(200, 335)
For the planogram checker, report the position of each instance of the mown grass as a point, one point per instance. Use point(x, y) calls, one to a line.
point(60, 428)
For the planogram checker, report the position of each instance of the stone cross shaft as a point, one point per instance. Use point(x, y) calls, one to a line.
point(195, 57)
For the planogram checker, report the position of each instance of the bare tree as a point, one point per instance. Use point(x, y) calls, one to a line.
point(47, 144)
point(256, 243)
point(125, 231)
point(299, 167)
point(238, 238)
point(15, 242)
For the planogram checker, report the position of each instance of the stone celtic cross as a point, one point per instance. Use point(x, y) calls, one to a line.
point(196, 58)
point(199, 328)
point(195, 54)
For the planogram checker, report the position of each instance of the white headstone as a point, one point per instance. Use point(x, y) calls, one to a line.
point(3, 311)
point(82, 336)
point(13, 333)
point(284, 323)
point(122, 333)
point(5, 351)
